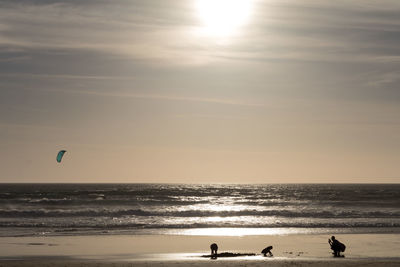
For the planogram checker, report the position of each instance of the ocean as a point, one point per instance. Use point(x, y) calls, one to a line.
point(197, 209)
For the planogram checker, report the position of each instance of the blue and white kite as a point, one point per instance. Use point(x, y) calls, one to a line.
point(60, 155)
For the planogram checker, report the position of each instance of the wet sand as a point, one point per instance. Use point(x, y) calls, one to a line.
point(297, 263)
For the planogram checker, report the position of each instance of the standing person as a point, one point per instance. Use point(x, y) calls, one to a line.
point(214, 249)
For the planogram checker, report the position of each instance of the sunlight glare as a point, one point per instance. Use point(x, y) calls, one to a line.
point(223, 17)
point(237, 231)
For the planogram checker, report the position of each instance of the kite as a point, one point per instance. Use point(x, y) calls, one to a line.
point(60, 155)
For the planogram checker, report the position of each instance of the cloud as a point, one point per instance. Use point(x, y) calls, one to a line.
point(123, 40)
point(66, 76)
point(137, 30)
point(165, 97)
point(165, 32)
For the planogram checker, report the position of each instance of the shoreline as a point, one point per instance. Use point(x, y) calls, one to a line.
point(20, 232)
point(195, 263)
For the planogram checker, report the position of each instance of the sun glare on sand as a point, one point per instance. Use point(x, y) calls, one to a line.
point(222, 18)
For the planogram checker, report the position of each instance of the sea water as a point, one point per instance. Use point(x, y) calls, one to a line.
point(197, 209)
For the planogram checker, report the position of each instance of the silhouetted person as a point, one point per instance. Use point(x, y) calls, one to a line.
point(336, 246)
point(266, 251)
point(214, 250)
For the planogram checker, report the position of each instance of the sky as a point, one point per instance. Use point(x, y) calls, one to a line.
point(200, 91)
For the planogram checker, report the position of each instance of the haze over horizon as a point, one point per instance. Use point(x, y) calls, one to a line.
point(199, 91)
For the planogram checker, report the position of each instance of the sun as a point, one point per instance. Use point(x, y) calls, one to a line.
point(223, 17)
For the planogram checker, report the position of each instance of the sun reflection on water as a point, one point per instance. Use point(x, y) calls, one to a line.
point(237, 231)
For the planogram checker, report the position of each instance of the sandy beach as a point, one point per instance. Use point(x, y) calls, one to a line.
point(175, 250)
point(234, 263)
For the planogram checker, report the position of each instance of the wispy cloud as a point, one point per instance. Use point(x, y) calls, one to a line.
point(66, 76)
point(128, 29)
point(315, 30)
point(165, 97)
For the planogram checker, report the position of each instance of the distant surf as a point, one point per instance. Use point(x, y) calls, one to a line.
point(76, 209)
